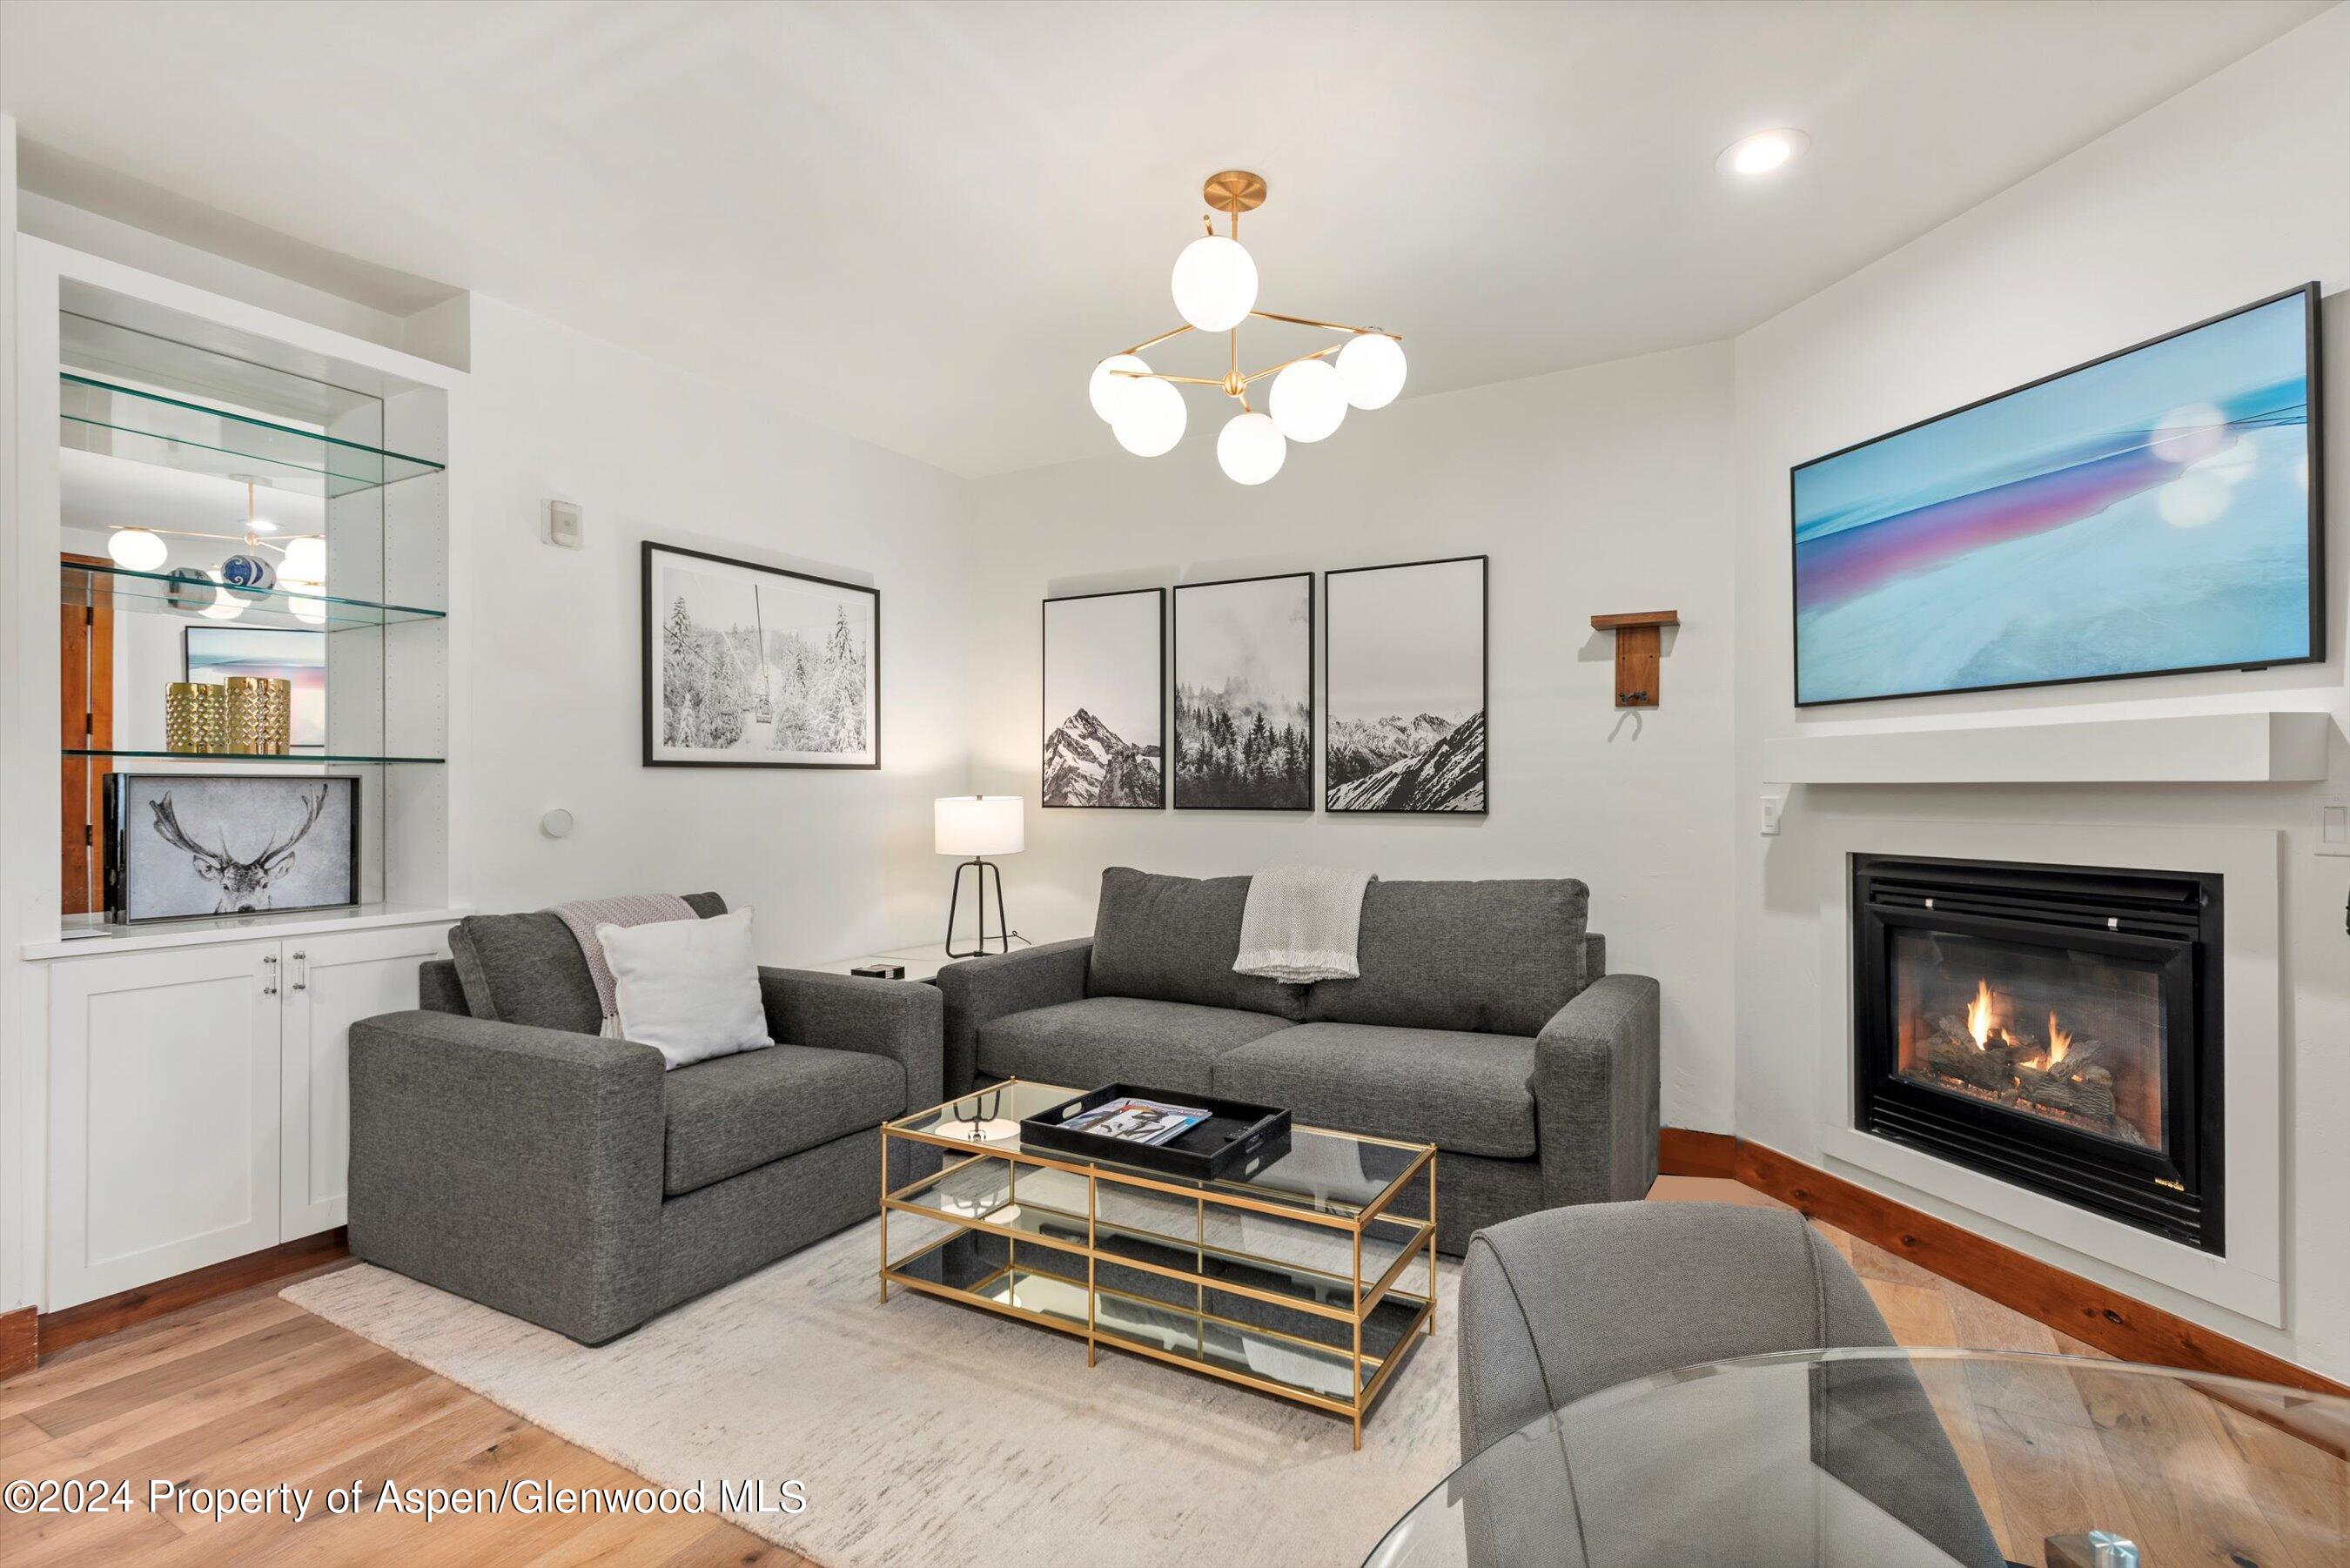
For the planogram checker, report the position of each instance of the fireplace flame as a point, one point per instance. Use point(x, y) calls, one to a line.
point(2060, 1040)
point(1979, 1014)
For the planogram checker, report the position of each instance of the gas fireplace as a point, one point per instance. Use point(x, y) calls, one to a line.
point(2055, 1026)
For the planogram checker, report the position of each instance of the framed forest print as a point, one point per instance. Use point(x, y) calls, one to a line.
point(1405, 726)
point(748, 666)
point(1106, 700)
point(1244, 694)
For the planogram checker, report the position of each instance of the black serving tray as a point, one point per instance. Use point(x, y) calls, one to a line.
point(1237, 1140)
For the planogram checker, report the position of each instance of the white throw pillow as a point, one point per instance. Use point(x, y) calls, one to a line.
point(689, 989)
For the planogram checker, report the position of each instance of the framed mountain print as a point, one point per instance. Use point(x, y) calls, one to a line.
point(1106, 700)
point(748, 666)
point(1406, 727)
point(1244, 694)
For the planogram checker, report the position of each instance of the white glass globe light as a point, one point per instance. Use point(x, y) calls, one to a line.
point(1107, 389)
point(308, 610)
point(1215, 284)
point(1309, 399)
point(1371, 370)
point(304, 562)
point(225, 606)
point(1151, 419)
point(1251, 448)
point(136, 549)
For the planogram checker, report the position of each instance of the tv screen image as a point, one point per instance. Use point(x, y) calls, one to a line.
point(2150, 513)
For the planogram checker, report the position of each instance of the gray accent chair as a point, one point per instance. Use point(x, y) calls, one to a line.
point(503, 1150)
point(1484, 1022)
point(1557, 1306)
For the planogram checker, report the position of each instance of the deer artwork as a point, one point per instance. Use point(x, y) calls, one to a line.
point(243, 884)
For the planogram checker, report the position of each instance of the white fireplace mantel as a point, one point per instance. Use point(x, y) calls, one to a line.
point(2261, 747)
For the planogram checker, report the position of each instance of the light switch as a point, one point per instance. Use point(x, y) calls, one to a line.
point(1772, 806)
point(2334, 827)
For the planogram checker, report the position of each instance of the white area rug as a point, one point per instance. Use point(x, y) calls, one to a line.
point(926, 1432)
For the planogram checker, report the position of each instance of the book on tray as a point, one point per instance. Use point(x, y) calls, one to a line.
point(1138, 1120)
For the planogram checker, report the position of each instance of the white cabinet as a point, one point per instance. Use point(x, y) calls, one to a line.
point(331, 983)
point(199, 1098)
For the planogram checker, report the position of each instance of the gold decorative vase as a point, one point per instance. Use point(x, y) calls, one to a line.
point(248, 699)
point(276, 716)
point(194, 715)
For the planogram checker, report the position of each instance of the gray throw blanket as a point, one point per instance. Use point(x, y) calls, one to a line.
point(1301, 924)
point(584, 914)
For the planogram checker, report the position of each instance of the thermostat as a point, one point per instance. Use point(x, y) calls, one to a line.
point(562, 525)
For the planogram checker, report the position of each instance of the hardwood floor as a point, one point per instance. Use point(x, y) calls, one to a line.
point(250, 1391)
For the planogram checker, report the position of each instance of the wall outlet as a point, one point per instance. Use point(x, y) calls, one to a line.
point(1774, 807)
point(563, 525)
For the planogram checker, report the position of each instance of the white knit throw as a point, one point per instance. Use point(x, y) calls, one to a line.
point(1301, 924)
point(584, 914)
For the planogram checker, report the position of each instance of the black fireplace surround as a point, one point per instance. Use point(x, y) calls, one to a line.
point(2055, 1026)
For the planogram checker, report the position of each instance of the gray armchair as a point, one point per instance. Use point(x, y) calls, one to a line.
point(520, 1160)
point(1560, 1305)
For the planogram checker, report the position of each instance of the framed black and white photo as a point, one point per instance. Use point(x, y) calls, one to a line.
point(186, 846)
point(756, 667)
point(1405, 726)
point(1106, 700)
point(1244, 694)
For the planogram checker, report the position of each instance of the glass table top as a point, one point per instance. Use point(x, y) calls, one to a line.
point(1332, 1173)
point(1920, 1459)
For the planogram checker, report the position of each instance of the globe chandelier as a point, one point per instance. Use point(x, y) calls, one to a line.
point(1215, 290)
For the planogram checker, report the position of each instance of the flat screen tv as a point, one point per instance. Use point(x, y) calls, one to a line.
point(2150, 513)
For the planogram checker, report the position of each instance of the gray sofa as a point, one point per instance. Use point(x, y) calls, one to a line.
point(1484, 1022)
point(503, 1150)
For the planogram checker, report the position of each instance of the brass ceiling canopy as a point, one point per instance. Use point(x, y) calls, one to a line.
point(1215, 286)
point(1234, 190)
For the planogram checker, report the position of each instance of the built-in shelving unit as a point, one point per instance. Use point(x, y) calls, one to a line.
point(122, 422)
point(2257, 747)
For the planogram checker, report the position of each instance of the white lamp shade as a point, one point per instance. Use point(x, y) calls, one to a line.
point(1251, 448)
point(305, 561)
point(1308, 400)
point(225, 606)
point(137, 550)
point(1371, 370)
point(1107, 389)
point(979, 824)
point(1215, 282)
point(1151, 419)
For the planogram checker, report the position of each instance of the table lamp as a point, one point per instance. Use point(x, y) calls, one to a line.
point(980, 826)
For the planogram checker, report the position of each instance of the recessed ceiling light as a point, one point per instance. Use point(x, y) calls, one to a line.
point(1763, 151)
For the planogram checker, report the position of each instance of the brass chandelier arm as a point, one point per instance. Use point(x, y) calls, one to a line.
point(1286, 364)
point(1147, 342)
point(1162, 376)
point(1329, 325)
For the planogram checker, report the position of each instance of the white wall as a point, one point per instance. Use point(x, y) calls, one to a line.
point(2234, 190)
point(1593, 490)
point(838, 862)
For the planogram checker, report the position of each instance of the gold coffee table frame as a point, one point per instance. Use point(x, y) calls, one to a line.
point(1051, 1298)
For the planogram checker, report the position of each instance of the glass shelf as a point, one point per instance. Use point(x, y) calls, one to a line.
point(118, 421)
point(159, 593)
point(338, 759)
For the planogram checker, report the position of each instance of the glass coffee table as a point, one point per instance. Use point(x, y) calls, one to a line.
point(1289, 1281)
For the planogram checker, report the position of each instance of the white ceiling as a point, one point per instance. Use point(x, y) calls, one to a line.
point(922, 224)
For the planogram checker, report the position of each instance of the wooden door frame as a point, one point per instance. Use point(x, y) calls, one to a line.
point(85, 718)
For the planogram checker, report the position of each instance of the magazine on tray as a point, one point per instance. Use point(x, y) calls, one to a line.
point(1139, 1121)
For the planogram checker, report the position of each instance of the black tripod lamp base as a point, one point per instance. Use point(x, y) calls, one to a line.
point(1002, 930)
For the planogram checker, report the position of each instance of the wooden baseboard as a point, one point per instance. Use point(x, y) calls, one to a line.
point(19, 1334)
point(73, 1325)
point(1683, 1151)
point(2089, 1311)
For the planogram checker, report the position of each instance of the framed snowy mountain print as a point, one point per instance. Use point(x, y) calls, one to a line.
point(755, 667)
point(1106, 700)
point(1406, 730)
point(1244, 694)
